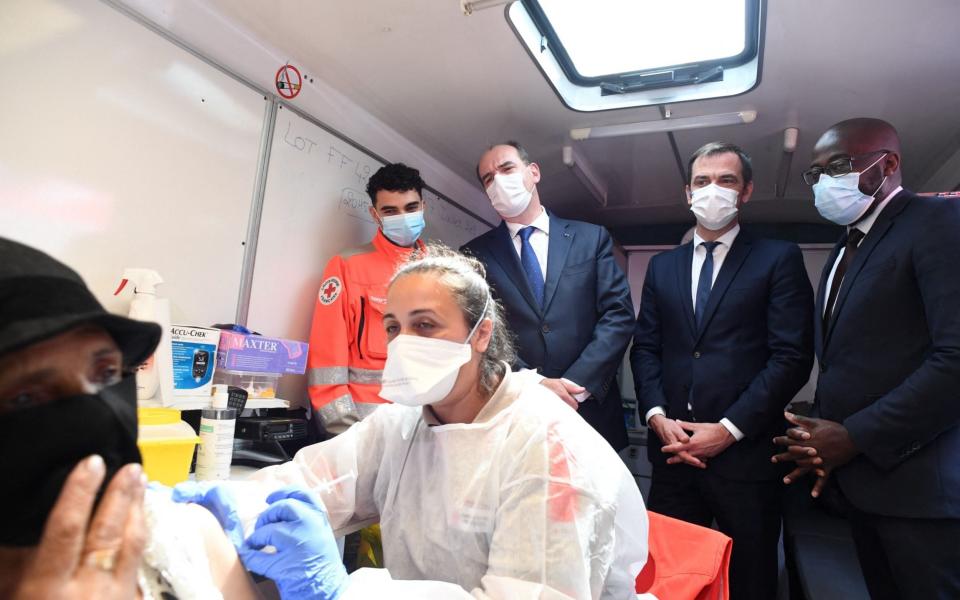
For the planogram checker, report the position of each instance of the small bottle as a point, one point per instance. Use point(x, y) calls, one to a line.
point(143, 307)
point(215, 453)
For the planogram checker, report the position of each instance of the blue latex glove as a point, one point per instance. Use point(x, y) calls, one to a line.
point(218, 500)
point(307, 562)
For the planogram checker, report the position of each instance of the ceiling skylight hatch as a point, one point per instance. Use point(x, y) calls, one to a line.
point(606, 54)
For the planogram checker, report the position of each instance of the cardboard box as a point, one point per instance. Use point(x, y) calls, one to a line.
point(260, 354)
point(193, 350)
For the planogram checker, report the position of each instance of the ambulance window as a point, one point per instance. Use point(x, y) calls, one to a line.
point(622, 47)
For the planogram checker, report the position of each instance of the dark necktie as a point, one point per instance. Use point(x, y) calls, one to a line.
point(849, 251)
point(531, 266)
point(705, 282)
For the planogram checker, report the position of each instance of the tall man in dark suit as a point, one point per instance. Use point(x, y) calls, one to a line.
point(888, 343)
point(723, 342)
point(566, 298)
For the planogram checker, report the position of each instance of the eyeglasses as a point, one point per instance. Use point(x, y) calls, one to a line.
point(835, 168)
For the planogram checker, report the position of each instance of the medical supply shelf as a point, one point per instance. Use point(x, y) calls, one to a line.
point(200, 402)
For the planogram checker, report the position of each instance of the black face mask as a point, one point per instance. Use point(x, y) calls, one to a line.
point(40, 446)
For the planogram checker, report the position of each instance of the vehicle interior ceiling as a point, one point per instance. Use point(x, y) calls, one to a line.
point(454, 84)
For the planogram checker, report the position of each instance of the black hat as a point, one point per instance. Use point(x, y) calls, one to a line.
point(41, 297)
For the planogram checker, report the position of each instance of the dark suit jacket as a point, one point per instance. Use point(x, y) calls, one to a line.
point(583, 329)
point(890, 361)
point(752, 354)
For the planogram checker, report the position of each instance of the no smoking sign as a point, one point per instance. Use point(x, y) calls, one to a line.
point(288, 81)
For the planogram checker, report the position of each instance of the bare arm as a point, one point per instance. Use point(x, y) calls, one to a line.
point(226, 569)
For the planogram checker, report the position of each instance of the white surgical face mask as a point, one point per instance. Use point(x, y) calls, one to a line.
point(840, 200)
point(421, 370)
point(714, 206)
point(508, 194)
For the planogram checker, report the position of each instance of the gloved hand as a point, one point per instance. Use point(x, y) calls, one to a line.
point(307, 562)
point(217, 499)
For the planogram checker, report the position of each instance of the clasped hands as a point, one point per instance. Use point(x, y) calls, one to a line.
point(705, 440)
point(814, 445)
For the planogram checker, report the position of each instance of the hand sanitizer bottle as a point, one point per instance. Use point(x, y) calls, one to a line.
point(143, 307)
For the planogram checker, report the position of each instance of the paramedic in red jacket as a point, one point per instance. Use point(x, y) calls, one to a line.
point(348, 345)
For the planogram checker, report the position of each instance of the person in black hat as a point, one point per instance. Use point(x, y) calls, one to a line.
point(68, 450)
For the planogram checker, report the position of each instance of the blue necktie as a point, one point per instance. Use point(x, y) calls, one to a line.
point(705, 282)
point(531, 266)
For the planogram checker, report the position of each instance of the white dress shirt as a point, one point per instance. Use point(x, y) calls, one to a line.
point(864, 225)
point(725, 241)
point(540, 242)
point(700, 255)
point(539, 239)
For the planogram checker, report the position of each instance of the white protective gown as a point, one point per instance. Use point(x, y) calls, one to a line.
point(528, 501)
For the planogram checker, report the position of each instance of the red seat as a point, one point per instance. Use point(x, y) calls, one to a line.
point(686, 561)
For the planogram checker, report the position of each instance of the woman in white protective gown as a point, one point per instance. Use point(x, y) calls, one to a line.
point(485, 484)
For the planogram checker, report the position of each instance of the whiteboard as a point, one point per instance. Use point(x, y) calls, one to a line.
point(120, 149)
point(448, 223)
point(315, 206)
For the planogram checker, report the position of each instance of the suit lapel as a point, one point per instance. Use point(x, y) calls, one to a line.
point(559, 242)
point(505, 254)
point(880, 227)
point(686, 285)
point(731, 265)
point(818, 331)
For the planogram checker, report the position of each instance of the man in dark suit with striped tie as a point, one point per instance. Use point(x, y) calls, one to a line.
point(723, 342)
point(566, 299)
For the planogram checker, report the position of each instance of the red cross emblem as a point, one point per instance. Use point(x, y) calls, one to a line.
point(330, 290)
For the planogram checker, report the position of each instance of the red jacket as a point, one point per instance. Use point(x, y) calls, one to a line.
point(347, 343)
point(686, 561)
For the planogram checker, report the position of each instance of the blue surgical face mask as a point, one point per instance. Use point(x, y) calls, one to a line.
point(840, 200)
point(403, 229)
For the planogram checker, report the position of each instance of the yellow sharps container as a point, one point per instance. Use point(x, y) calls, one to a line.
point(166, 444)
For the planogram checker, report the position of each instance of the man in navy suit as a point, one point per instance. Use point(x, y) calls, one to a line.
point(566, 299)
point(723, 342)
point(888, 343)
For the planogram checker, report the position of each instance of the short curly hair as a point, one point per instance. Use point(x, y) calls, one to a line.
point(395, 177)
